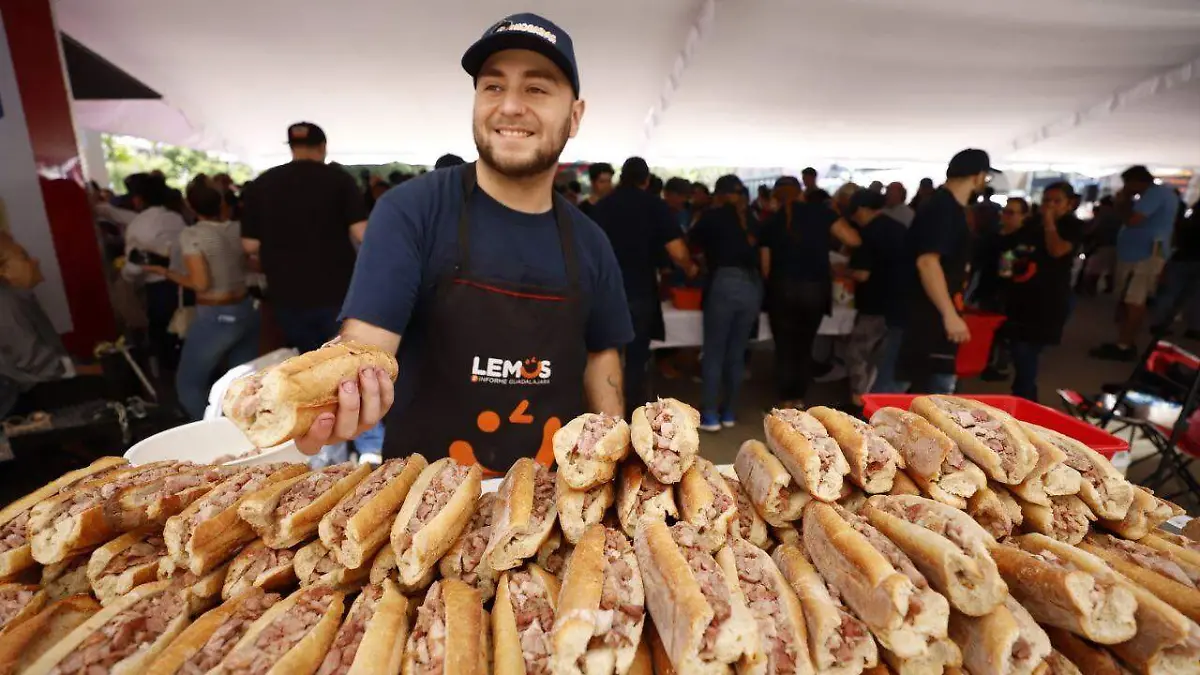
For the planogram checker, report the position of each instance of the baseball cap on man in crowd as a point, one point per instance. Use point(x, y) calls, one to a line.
point(525, 31)
point(968, 163)
point(305, 134)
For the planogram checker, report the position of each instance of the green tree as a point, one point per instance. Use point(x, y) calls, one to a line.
point(125, 156)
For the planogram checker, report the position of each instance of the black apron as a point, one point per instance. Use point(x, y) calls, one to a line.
point(926, 350)
point(503, 363)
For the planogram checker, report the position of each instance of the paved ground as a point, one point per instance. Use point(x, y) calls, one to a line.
point(1065, 366)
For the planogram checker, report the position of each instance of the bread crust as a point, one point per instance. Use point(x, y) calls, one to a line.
point(369, 528)
point(800, 456)
point(131, 665)
point(1184, 598)
point(217, 539)
point(629, 502)
point(796, 632)
point(823, 617)
point(303, 657)
point(1110, 503)
point(23, 644)
point(990, 643)
point(925, 450)
point(276, 578)
point(875, 591)
point(109, 586)
point(572, 516)
point(679, 608)
point(194, 637)
point(506, 641)
point(1025, 455)
point(1060, 594)
point(769, 485)
point(856, 439)
point(995, 509)
point(1190, 556)
point(1088, 658)
point(1050, 477)
point(685, 442)
point(582, 473)
point(259, 509)
point(438, 534)
point(32, 607)
point(1146, 512)
point(1041, 519)
point(339, 578)
point(701, 487)
point(960, 568)
point(294, 393)
point(941, 656)
point(1166, 639)
point(754, 529)
point(515, 537)
point(467, 632)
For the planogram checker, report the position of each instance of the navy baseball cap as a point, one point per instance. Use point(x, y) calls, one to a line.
point(525, 31)
point(305, 134)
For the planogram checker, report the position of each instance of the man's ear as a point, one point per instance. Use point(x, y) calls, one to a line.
point(577, 109)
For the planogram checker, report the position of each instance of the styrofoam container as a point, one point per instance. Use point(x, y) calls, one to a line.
point(206, 440)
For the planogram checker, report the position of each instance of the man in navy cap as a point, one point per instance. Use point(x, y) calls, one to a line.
point(505, 303)
point(941, 241)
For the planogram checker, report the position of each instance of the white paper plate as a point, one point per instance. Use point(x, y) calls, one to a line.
point(204, 441)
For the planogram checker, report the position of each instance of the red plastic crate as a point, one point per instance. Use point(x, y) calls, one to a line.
point(1027, 411)
point(973, 354)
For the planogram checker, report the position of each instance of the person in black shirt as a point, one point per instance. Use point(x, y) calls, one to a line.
point(1181, 278)
point(303, 219)
point(795, 260)
point(600, 176)
point(1036, 260)
point(940, 240)
point(882, 268)
point(641, 227)
point(728, 237)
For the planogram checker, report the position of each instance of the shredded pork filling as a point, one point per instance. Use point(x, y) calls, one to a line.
point(594, 429)
point(1066, 521)
point(930, 520)
point(12, 600)
point(363, 493)
point(133, 629)
point(989, 431)
point(14, 533)
point(267, 559)
point(224, 495)
point(141, 553)
point(666, 460)
point(227, 635)
point(1086, 468)
point(745, 510)
point(341, 653)
point(764, 603)
point(827, 449)
point(543, 496)
point(437, 494)
point(429, 634)
point(881, 543)
point(285, 632)
point(1151, 559)
point(621, 607)
point(535, 619)
point(307, 489)
point(712, 583)
point(475, 541)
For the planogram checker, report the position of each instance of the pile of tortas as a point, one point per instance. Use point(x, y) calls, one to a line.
point(944, 539)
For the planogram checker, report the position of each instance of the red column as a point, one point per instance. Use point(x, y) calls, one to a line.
point(45, 97)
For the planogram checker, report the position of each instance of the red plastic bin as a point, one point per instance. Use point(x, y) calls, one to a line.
point(684, 297)
point(973, 354)
point(1025, 410)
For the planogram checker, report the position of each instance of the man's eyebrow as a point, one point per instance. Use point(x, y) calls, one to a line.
point(532, 73)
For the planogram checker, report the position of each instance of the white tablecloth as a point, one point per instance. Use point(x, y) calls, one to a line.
point(685, 327)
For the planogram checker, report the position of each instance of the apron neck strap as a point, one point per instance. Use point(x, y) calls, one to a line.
point(562, 218)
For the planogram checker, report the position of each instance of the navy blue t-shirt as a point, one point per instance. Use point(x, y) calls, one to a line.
point(800, 246)
point(412, 240)
point(884, 254)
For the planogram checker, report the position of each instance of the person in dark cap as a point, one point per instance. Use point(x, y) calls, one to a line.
point(600, 179)
point(882, 269)
point(794, 257)
point(728, 236)
point(448, 160)
point(940, 239)
point(641, 230)
point(510, 301)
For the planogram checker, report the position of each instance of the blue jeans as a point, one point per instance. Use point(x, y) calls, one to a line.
point(307, 328)
point(886, 382)
point(731, 308)
point(1180, 278)
point(219, 334)
point(1025, 356)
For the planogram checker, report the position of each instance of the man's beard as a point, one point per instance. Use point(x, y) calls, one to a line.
point(542, 161)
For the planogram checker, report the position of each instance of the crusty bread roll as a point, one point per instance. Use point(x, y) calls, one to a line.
point(525, 514)
point(804, 447)
point(872, 459)
point(665, 434)
point(1102, 487)
point(360, 524)
point(777, 497)
point(434, 514)
point(25, 643)
point(1005, 642)
point(292, 636)
point(991, 438)
point(588, 448)
point(276, 405)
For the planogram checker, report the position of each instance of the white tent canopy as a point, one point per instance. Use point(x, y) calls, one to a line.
point(1100, 83)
